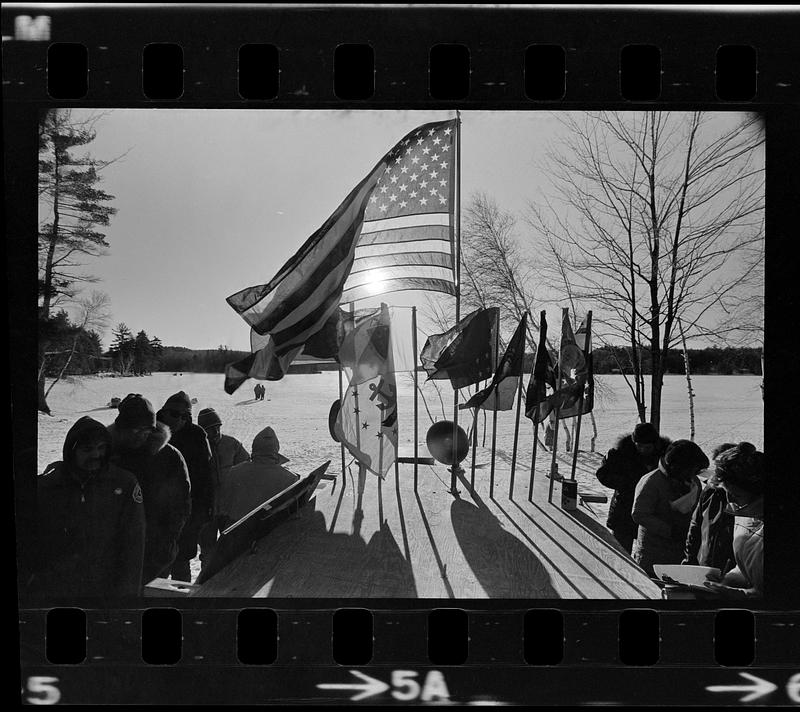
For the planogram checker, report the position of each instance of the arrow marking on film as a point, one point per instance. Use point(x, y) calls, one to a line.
point(368, 688)
point(759, 688)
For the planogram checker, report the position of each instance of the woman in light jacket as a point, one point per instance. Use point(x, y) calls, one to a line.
point(663, 505)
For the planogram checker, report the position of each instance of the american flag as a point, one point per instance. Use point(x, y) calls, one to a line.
point(394, 231)
point(406, 241)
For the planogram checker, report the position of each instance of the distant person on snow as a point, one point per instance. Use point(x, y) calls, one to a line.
point(252, 483)
point(192, 442)
point(141, 445)
point(663, 504)
point(226, 451)
point(91, 521)
point(625, 464)
point(710, 538)
point(740, 472)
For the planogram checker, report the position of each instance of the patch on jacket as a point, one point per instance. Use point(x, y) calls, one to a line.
point(137, 494)
point(118, 490)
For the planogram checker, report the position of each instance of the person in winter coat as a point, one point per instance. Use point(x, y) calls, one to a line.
point(740, 472)
point(625, 464)
point(141, 445)
point(663, 503)
point(710, 538)
point(226, 451)
point(191, 441)
point(91, 521)
point(251, 483)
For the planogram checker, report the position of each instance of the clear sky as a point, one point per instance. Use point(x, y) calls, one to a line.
point(212, 201)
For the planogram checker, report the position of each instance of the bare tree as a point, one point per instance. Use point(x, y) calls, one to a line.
point(648, 215)
point(93, 315)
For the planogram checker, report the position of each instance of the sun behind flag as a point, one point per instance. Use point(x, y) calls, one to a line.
point(408, 198)
point(503, 388)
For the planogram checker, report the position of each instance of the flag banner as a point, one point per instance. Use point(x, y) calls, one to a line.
point(463, 354)
point(573, 370)
point(367, 421)
point(537, 405)
point(501, 392)
point(406, 241)
point(298, 301)
point(264, 364)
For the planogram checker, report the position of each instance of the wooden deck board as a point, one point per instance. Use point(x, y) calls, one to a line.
point(383, 540)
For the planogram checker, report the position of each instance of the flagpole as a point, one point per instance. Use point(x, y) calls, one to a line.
point(494, 409)
point(416, 396)
point(341, 403)
point(553, 463)
point(536, 418)
point(516, 440)
point(457, 234)
point(474, 447)
point(577, 438)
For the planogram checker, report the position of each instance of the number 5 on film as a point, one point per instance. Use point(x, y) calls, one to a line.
point(42, 690)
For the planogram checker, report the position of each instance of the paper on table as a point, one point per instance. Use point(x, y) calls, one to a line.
point(687, 575)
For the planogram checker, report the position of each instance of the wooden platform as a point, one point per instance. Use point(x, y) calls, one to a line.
point(384, 540)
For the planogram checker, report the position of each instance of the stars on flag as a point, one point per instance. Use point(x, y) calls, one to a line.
point(413, 169)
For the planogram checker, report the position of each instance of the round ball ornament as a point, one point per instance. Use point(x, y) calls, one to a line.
point(440, 442)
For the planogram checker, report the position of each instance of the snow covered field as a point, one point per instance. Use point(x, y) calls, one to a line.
point(727, 408)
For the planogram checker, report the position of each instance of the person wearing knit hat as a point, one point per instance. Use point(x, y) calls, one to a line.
point(740, 472)
point(632, 457)
point(140, 444)
point(710, 538)
point(135, 421)
point(226, 451)
point(91, 521)
point(251, 483)
point(663, 504)
point(192, 442)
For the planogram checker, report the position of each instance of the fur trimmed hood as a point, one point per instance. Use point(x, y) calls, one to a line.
point(155, 442)
point(625, 443)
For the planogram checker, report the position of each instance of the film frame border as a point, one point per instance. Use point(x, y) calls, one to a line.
point(592, 64)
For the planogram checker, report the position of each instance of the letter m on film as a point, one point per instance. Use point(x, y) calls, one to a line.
point(32, 29)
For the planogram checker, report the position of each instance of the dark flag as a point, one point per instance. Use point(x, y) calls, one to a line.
point(537, 404)
point(503, 388)
point(465, 353)
point(264, 363)
point(575, 370)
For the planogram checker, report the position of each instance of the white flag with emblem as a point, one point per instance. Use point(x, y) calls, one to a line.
point(367, 420)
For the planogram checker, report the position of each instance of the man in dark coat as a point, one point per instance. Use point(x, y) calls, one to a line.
point(625, 464)
point(91, 521)
point(141, 446)
point(192, 442)
point(710, 538)
point(226, 451)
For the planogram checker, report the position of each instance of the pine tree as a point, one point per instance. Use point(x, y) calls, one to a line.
point(74, 207)
point(122, 349)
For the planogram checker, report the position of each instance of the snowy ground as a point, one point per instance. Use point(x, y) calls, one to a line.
point(727, 408)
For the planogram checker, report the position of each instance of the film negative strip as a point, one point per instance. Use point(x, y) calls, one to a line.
point(217, 138)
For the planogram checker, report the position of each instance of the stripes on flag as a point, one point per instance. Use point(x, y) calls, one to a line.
point(406, 241)
point(406, 199)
